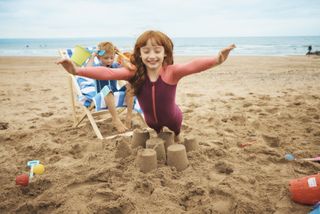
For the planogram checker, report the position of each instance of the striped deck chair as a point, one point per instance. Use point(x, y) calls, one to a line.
point(92, 102)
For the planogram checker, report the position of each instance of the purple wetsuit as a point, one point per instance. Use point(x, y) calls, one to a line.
point(157, 99)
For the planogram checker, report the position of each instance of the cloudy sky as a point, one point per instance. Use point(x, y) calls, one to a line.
point(177, 18)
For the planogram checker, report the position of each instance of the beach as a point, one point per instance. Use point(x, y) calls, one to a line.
point(245, 114)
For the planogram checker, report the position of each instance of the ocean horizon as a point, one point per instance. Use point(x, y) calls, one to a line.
point(183, 46)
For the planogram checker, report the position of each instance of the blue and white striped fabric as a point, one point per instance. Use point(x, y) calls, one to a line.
point(119, 98)
point(88, 89)
point(89, 95)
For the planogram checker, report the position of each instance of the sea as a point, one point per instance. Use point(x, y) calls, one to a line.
point(188, 46)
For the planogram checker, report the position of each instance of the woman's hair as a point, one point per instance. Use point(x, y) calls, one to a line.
point(158, 38)
point(108, 47)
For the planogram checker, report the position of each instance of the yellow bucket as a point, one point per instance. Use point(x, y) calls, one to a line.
point(80, 55)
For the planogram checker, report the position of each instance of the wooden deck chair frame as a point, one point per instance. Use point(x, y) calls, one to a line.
point(75, 89)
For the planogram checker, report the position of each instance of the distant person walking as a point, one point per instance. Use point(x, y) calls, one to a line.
point(309, 49)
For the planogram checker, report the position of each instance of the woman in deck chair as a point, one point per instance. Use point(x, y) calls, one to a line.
point(154, 77)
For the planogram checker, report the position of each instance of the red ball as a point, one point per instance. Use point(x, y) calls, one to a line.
point(22, 180)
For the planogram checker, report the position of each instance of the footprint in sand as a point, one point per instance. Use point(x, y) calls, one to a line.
point(271, 110)
point(46, 114)
point(255, 124)
point(272, 141)
point(238, 119)
point(37, 187)
point(194, 95)
point(6, 99)
point(225, 119)
point(107, 194)
point(46, 89)
point(238, 98)
point(144, 186)
point(58, 140)
point(245, 105)
point(229, 94)
point(213, 152)
point(224, 167)
point(262, 103)
point(54, 158)
point(27, 89)
point(305, 119)
point(316, 134)
point(186, 128)
point(298, 103)
point(39, 206)
point(192, 197)
point(22, 135)
point(194, 105)
point(76, 151)
point(264, 97)
point(122, 149)
point(4, 125)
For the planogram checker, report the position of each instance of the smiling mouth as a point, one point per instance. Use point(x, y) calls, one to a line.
point(152, 62)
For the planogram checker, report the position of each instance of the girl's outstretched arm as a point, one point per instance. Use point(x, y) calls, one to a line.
point(197, 65)
point(99, 73)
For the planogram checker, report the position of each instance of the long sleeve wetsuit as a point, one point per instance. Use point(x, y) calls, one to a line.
point(157, 99)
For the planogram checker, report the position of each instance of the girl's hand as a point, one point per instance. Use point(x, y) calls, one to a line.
point(129, 65)
point(68, 65)
point(224, 53)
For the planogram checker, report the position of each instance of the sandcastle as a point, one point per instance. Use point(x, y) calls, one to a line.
point(177, 156)
point(168, 138)
point(157, 145)
point(147, 160)
point(139, 138)
point(161, 149)
point(191, 144)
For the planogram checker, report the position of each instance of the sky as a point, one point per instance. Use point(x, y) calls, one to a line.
point(177, 18)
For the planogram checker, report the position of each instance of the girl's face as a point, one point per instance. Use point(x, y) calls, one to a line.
point(152, 56)
point(107, 59)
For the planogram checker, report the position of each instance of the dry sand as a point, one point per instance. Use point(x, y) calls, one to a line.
point(272, 101)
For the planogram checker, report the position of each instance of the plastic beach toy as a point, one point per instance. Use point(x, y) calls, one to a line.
point(80, 55)
point(35, 168)
point(38, 169)
point(305, 190)
point(31, 164)
point(289, 157)
point(316, 159)
point(316, 209)
point(22, 180)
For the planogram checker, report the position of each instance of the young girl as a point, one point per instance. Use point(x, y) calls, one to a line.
point(153, 77)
